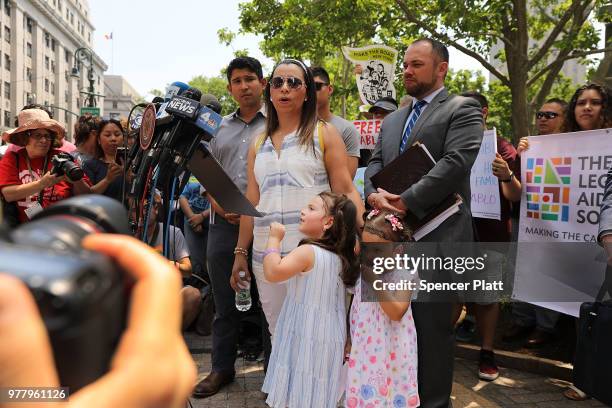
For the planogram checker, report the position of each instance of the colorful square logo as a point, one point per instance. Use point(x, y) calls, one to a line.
point(548, 188)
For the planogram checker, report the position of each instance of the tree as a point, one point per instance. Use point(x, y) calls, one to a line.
point(315, 31)
point(216, 86)
point(535, 37)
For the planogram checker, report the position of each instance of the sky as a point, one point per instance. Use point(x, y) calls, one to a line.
point(158, 42)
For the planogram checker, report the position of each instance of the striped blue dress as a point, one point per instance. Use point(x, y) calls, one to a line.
point(307, 351)
point(287, 182)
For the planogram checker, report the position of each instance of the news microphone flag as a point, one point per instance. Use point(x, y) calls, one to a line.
point(108, 36)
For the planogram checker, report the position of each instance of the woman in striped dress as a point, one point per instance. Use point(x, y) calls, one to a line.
point(296, 158)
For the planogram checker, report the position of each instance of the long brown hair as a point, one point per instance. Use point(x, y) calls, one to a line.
point(308, 120)
point(571, 125)
point(341, 237)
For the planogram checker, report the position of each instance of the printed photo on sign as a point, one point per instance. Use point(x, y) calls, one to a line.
point(377, 71)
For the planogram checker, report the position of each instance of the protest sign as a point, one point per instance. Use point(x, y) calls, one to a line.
point(378, 71)
point(563, 180)
point(368, 130)
point(484, 185)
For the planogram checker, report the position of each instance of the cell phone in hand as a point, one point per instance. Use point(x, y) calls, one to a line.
point(120, 154)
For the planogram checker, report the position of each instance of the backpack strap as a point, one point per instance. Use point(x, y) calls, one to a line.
point(320, 136)
point(260, 141)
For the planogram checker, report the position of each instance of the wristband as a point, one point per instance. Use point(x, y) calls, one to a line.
point(509, 179)
point(270, 251)
point(241, 251)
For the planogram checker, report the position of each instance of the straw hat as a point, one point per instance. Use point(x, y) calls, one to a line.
point(31, 119)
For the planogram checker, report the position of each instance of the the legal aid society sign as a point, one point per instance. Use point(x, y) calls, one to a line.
point(563, 179)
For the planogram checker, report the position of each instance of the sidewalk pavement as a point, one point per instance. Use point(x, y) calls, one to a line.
point(513, 388)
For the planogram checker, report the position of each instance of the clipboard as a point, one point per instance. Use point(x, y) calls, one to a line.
point(211, 175)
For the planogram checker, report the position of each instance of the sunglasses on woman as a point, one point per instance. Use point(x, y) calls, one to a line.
point(292, 82)
point(547, 115)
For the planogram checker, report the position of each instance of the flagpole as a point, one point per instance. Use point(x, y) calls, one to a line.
point(113, 52)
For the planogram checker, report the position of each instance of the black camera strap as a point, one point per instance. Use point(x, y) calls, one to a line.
point(44, 171)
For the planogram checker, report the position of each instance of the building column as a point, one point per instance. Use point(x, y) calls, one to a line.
point(17, 58)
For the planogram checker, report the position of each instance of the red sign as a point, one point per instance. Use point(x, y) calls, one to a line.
point(147, 126)
point(369, 130)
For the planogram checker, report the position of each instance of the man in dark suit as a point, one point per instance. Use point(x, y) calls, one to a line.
point(451, 127)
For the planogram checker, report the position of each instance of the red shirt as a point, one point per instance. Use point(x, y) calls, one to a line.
point(14, 171)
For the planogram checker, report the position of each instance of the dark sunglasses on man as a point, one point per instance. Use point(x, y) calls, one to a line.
point(546, 114)
point(319, 85)
point(292, 82)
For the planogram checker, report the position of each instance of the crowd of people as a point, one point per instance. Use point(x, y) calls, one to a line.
point(295, 161)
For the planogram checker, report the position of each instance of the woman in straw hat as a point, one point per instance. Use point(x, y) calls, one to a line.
point(24, 174)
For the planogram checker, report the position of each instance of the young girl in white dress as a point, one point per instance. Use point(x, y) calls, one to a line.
point(308, 346)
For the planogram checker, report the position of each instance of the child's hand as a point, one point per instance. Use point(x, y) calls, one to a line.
point(347, 348)
point(277, 231)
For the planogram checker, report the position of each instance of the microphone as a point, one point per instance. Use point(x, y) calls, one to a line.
point(175, 88)
point(211, 101)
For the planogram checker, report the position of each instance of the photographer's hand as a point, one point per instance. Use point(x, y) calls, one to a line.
point(26, 359)
point(151, 367)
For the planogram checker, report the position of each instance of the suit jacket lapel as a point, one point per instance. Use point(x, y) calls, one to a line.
point(435, 104)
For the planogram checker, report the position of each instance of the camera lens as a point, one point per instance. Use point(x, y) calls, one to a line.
point(63, 225)
point(73, 171)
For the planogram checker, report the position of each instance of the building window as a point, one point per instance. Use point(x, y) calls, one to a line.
point(115, 105)
point(89, 37)
point(53, 66)
point(67, 14)
point(71, 18)
point(66, 96)
point(29, 24)
point(59, 5)
point(46, 62)
point(29, 74)
point(7, 118)
point(46, 85)
point(7, 62)
point(67, 56)
point(53, 44)
point(7, 8)
point(52, 88)
point(7, 90)
point(47, 40)
point(29, 50)
point(7, 34)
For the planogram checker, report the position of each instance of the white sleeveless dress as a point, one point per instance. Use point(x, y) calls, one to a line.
point(307, 351)
point(287, 182)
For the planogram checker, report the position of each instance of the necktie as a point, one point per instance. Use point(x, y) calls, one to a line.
point(416, 112)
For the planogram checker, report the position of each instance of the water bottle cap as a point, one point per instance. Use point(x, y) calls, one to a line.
point(242, 274)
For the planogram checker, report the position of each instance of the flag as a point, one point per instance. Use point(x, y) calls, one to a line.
point(108, 36)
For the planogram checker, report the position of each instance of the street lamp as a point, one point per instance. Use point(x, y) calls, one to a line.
point(81, 55)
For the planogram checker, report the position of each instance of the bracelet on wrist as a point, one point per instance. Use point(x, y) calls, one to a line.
point(509, 179)
point(270, 251)
point(241, 251)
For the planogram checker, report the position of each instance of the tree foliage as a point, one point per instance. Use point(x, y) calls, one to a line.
point(216, 86)
point(531, 39)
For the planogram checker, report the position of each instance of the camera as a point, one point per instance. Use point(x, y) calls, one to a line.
point(63, 164)
point(81, 295)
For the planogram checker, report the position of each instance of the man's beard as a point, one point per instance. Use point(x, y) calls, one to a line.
point(419, 89)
